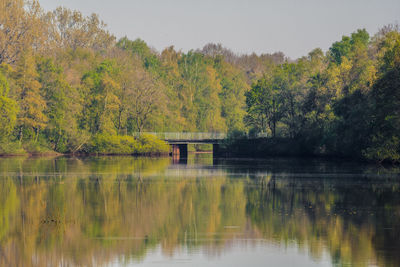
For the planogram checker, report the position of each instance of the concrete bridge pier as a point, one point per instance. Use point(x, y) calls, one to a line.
point(175, 150)
point(180, 150)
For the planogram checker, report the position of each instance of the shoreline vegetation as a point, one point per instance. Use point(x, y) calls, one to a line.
point(276, 147)
point(145, 145)
point(67, 85)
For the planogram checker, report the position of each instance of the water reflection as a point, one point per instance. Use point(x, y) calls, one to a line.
point(123, 210)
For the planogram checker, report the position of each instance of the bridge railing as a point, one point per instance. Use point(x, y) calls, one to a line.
point(167, 136)
point(184, 136)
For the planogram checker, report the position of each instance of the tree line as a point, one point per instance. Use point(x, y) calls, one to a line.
point(345, 102)
point(65, 81)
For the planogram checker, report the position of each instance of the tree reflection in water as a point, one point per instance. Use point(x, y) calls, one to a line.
point(94, 211)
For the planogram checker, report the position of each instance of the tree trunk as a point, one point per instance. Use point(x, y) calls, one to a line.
point(274, 128)
point(119, 121)
point(37, 134)
point(20, 135)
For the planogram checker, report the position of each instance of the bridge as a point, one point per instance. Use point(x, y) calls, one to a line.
point(179, 141)
point(188, 138)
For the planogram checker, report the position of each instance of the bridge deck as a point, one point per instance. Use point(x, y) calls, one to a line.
point(194, 138)
point(185, 138)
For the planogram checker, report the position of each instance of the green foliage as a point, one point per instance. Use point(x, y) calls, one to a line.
point(147, 144)
point(264, 104)
point(58, 108)
point(385, 107)
point(347, 107)
point(140, 49)
point(107, 144)
point(37, 147)
point(32, 116)
point(232, 96)
point(126, 145)
point(8, 147)
point(101, 102)
point(347, 45)
point(383, 148)
point(67, 86)
point(8, 109)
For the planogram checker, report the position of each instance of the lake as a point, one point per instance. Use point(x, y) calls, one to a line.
point(125, 211)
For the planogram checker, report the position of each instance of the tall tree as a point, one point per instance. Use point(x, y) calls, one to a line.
point(139, 48)
point(146, 95)
point(21, 29)
point(174, 90)
point(232, 96)
point(102, 103)
point(32, 106)
point(71, 29)
point(8, 109)
point(59, 97)
point(264, 105)
point(385, 142)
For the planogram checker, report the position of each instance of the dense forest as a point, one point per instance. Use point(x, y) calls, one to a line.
point(68, 85)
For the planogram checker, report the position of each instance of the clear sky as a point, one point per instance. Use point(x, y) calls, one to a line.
point(294, 27)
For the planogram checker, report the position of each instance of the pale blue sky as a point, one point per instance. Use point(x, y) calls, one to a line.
point(294, 27)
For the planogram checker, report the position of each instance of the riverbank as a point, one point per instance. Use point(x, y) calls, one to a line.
point(151, 146)
point(282, 147)
point(265, 147)
point(145, 145)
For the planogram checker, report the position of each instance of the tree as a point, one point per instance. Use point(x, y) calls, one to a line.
point(8, 109)
point(174, 90)
point(290, 81)
point(59, 97)
point(352, 80)
point(201, 90)
point(215, 50)
point(345, 47)
point(264, 105)
point(71, 29)
point(142, 50)
point(102, 103)
point(208, 102)
point(21, 29)
point(146, 94)
point(31, 103)
point(232, 96)
point(385, 140)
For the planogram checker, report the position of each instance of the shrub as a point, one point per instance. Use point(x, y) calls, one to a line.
point(37, 147)
point(126, 145)
point(11, 148)
point(148, 144)
point(111, 144)
point(383, 149)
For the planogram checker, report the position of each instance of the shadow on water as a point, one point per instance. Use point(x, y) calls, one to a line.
point(118, 210)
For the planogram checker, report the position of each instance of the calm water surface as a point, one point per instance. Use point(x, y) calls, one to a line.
point(124, 211)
